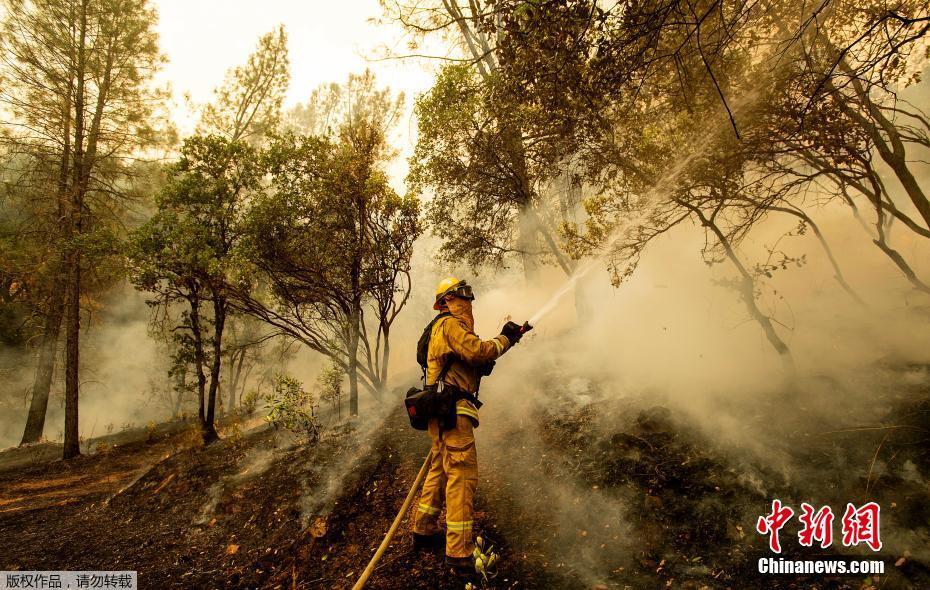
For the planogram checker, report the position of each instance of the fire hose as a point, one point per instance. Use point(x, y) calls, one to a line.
point(391, 531)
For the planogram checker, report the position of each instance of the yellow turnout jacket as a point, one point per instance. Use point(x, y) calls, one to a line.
point(454, 335)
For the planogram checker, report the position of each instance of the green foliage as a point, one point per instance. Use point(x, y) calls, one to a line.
point(305, 231)
point(250, 402)
point(327, 187)
point(187, 247)
point(330, 235)
point(467, 157)
point(289, 406)
point(329, 384)
point(486, 563)
point(39, 42)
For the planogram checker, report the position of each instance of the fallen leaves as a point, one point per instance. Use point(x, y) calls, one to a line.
point(318, 528)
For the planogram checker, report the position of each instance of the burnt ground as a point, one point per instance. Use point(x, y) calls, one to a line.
point(573, 494)
point(256, 510)
point(627, 495)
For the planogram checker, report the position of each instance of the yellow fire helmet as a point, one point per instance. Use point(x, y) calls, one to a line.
point(455, 286)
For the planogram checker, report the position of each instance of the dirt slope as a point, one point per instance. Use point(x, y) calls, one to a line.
point(574, 495)
point(255, 510)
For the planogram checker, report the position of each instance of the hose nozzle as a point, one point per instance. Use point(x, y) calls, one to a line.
point(526, 327)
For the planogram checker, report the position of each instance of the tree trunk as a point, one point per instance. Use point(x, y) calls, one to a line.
point(355, 317)
point(385, 355)
point(747, 292)
point(902, 264)
point(352, 368)
point(35, 421)
point(527, 224)
point(72, 446)
point(526, 244)
point(182, 383)
point(355, 312)
point(219, 322)
point(199, 361)
point(72, 352)
point(837, 272)
point(38, 406)
point(243, 382)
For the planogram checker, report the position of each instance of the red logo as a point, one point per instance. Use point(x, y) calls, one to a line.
point(860, 525)
point(817, 526)
point(773, 523)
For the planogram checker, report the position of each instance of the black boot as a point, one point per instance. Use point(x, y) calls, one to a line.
point(463, 568)
point(434, 543)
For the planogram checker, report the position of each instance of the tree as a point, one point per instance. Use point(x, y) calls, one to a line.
point(493, 180)
point(187, 252)
point(485, 180)
point(840, 115)
point(329, 238)
point(29, 243)
point(332, 239)
point(667, 106)
point(78, 86)
point(247, 106)
point(329, 384)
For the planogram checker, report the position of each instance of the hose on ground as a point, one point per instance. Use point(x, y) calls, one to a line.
point(397, 519)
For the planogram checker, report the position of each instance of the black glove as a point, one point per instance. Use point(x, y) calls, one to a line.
point(513, 332)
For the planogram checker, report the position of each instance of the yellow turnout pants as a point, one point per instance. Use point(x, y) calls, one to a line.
point(453, 477)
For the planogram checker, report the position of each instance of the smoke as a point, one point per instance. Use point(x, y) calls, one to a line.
point(255, 463)
point(124, 374)
point(677, 337)
point(124, 370)
point(324, 482)
point(17, 384)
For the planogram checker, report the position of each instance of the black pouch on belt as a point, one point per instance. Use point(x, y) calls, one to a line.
point(436, 400)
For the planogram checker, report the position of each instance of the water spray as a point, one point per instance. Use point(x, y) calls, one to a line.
point(660, 186)
point(565, 288)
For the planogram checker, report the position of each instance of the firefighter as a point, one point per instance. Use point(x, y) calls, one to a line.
point(453, 471)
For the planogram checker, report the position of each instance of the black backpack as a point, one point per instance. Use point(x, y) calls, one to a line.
point(436, 400)
point(423, 342)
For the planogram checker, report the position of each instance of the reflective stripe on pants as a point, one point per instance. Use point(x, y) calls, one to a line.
point(453, 477)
